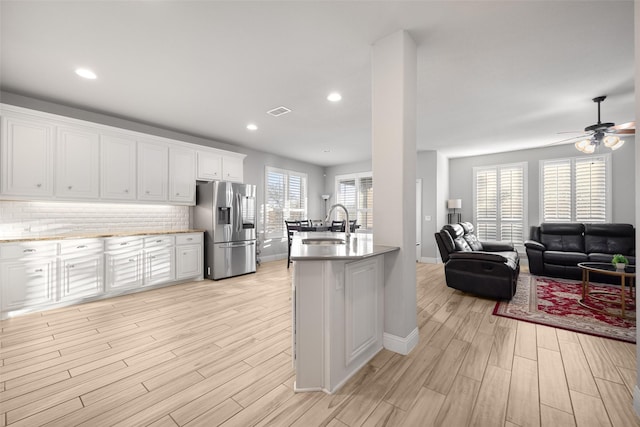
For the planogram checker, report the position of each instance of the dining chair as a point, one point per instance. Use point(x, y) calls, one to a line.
point(292, 226)
point(305, 223)
point(337, 226)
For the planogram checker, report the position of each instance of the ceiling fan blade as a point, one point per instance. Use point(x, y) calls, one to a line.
point(625, 132)
point(583, 136)
point(570, 131)
point(625, 126)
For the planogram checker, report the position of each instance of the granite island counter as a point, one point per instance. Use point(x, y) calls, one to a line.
point(338, 306)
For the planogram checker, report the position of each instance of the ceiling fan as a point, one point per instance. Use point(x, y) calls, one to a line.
point(602, 133)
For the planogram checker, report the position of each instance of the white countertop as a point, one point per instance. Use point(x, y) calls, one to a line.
point(360, 246)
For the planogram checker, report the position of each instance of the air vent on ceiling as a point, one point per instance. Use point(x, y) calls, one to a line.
point(279, 111)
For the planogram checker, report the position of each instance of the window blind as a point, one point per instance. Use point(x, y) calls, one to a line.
point(286, 198)
point(500, 202)
point(575, 189)
point(355, 192)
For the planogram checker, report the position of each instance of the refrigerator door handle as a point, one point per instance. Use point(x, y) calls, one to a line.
point(237, 244)
point(238, 213)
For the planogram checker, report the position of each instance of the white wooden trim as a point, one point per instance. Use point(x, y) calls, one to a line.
point(399, 344)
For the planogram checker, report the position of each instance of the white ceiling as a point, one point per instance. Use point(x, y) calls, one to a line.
point(492, 76)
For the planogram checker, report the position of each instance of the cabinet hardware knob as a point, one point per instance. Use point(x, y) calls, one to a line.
point(189, 238)
point(38, 185)
point(72, 266)
point(124, 243)
point(148, 192)
point(28, 251)
point(38, 270)
point(131, 259)
point(158, 241)
point(81, 247)
point(153, 257)
point(70, 187)
point(177, 194)
point(126, 190)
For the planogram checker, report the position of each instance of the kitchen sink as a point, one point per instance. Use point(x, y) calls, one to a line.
point(323, 241)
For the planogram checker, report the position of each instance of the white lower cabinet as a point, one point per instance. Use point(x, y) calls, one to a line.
point(28, 275)
point(81, 269)
point(189, 256)
point(159, 261)
point(123, 263)
point(41, 275)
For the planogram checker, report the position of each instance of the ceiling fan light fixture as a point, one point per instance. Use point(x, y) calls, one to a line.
point(582, 145)
point(618, 144)
point(611, 141)
point(589, 149)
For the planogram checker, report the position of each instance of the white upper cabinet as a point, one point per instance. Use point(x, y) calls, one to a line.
point(182, 177)
point(232, 168)
point(77, 163)
point(153, 172)
point(27, 158)
point(48, 157)
point(209, 166)
point(118, 168)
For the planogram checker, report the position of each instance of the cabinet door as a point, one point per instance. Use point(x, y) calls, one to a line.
point(81, 277)
point(123, 271)
point(77, 164)
point(153, 174)
point(188, 261)
point(232, 169)
point(182, 177)
point(209, 166)
point(27, 283)
point(118, 168)
point(159, 266)
point(27, 158)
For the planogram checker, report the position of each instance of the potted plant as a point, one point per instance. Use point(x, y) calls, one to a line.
point(620, 261)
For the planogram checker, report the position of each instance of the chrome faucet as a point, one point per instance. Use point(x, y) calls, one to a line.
point(347, 227)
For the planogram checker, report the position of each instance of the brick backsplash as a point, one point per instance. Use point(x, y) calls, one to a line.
point(41, 219)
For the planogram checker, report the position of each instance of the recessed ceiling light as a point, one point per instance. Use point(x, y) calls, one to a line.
point(86, 73)
point(326, 150)
point(334, 97)
point(251, 126)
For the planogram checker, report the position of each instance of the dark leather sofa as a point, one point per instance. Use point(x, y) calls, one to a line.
point(488, 269)
point(555, 249)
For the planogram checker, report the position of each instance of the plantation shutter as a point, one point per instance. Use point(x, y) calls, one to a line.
point(274, 209)
point(575, 189)
point(591, 187)
point(556, 187)
point(486, 204)
point(286, 198)
point(347, 196)
point(512, 204)
point(365, 203)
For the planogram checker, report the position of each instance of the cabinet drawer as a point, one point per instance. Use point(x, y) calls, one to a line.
point(28, 250)
point(117, 244)
point(188, 239)
point(158, 241)
point(81, 247)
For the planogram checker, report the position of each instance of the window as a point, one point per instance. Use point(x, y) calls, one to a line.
point(285, 198)
point(500, 202)
point(575, 189)
point(355, 192)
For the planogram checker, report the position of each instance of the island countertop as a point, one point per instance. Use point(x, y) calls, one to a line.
point(360, 246)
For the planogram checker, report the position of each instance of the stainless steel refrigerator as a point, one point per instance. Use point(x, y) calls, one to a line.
point(227, 213)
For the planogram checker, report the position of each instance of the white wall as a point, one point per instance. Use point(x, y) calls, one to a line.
point(622, 165)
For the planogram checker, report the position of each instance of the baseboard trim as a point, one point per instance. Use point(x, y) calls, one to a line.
point(636, 400)
point(401, 345)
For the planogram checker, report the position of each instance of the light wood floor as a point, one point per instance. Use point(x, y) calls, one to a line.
point(218, 353)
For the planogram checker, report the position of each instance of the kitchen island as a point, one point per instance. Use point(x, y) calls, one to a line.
point(338, 306)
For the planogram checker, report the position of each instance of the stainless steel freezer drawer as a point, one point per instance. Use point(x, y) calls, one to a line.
point(233, 258)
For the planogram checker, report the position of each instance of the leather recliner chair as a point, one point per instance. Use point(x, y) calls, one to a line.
point(488, 269)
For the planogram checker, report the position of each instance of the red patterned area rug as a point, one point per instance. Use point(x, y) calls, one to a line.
point(554, 302)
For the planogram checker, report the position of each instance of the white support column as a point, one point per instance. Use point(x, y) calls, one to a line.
point(394, 173)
